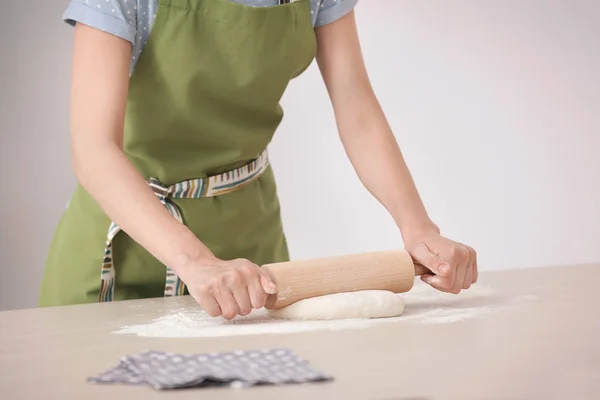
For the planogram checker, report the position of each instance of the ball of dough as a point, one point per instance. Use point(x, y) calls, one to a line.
point(361, 304)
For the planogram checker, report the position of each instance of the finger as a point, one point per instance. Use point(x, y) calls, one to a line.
point(470, 269)
point(424, 256)
point(468, 276)
point(258, 297)
point(461, 258)
point(227, 303)
point(209, 304)
point(267, 282)
point(437, 282)
point(475, 267)
point(461, 271)
point(257, 294)
point(240, 294)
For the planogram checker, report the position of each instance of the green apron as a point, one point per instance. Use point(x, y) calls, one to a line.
point(203, 105)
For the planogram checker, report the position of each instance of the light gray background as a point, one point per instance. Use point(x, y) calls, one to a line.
point(496, 105)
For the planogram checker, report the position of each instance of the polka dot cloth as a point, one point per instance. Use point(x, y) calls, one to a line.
point(162, 370)
point(132, 20)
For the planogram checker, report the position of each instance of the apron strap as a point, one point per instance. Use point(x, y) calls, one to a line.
point(192, 189)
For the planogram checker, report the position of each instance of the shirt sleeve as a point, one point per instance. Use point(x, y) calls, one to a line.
point(331, 10)
point(117, 17)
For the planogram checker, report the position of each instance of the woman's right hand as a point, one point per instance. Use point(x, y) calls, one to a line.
point(100, 87)
point(228, 288)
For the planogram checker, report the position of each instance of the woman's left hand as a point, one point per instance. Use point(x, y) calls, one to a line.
point(364, 130)
point(453, 265)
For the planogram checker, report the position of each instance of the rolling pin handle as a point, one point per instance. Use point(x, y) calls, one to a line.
point(392, 270)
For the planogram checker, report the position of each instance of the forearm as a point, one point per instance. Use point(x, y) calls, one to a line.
point(105, 172)
point(364, 130)
point(99, 93)
point(379, 163)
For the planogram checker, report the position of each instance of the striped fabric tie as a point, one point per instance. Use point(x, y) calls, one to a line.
point(193, 189)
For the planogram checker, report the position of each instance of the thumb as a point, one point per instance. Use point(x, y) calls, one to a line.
point(267, 282)
point(424, 256)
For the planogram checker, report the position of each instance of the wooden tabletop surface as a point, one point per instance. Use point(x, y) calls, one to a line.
point(547, 347)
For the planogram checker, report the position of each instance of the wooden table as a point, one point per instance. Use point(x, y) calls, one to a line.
point(546, 348)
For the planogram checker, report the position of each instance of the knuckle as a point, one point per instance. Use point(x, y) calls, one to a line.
point(216, 284)
point(453, 251)
point(234, 277)
point(249, 269)
point(459, 253)
point(202, 288)
point(211, 286)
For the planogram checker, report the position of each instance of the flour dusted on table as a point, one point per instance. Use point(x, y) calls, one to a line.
point(196, 323)
point(423, 305)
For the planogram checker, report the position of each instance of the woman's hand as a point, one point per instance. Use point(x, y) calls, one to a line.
point(453, 265)
point(227, 288)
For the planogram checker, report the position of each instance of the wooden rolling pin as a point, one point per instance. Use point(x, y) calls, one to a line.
point(383, 270)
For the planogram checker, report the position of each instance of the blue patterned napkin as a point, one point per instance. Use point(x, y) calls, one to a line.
point(163, 370)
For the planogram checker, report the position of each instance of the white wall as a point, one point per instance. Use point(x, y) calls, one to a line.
point(496, 105)
point(35, 62)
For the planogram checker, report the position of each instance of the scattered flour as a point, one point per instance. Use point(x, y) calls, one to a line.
point(186, 323)
point(422, 305)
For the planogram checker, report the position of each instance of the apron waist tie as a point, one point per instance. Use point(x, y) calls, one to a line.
point(211, 186)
